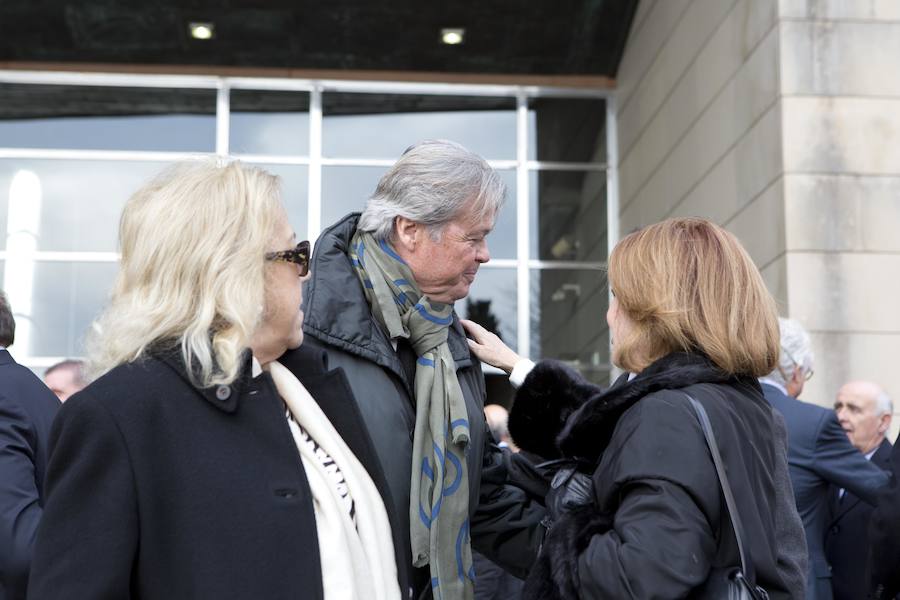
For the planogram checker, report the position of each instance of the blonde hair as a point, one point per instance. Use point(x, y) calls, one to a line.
point(192, 272)
point(688, 285)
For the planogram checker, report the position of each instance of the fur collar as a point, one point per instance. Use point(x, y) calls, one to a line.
point(557, 414)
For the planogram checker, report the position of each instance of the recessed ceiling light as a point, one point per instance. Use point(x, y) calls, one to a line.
point(202, 31)
point(453, 36)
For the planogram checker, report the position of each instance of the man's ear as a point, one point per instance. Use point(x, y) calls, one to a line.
point(406, 234)
point(884, 423)
point(796, 382)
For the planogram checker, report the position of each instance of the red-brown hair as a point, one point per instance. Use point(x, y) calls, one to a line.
point(689, 285)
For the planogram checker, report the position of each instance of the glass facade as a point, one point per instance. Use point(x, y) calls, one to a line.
point(270, 123)
point(365, 125)
point(107, 118)
point(70, 156)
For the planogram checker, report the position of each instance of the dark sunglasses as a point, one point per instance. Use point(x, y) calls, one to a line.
point(298, 255)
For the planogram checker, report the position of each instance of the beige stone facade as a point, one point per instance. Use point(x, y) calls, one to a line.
point(780, 120)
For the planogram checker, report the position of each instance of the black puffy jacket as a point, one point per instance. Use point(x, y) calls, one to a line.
point(658, 522)
point(338, 320)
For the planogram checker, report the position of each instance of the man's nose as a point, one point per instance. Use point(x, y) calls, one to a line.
point(482, 254)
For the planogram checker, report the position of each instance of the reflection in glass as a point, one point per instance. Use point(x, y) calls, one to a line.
point(107, 118)
point(568, 319)
point(568, 215)
point(346, 190)
point(492, 303)
point(66, 298)
point(385, 125)
point(80, 201)
point(269, 122)
point(568, 129)
point(294, 195)
point(502, 240)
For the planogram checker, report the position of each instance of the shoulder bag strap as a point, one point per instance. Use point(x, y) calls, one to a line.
point(746, 564)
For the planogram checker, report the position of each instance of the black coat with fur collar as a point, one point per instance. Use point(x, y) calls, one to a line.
point(658, 523)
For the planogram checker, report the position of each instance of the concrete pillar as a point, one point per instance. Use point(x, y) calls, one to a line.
point(779, 119)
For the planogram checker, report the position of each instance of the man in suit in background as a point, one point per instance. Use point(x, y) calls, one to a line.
point(884, 536)
point(819, 453)
point(27, 408)
point(864, 410)
point(65, 378)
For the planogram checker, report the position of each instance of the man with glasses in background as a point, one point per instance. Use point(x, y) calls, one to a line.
point(819, 453)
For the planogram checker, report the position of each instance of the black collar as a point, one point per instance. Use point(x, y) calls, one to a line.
point(223, 397)
point(588, 429)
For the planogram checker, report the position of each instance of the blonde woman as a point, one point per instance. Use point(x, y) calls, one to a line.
point(646, 519)
point(207, 459)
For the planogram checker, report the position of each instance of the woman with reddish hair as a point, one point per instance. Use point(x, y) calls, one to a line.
point(639, 511)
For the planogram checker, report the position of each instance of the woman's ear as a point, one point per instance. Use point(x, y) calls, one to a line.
point(406, 234)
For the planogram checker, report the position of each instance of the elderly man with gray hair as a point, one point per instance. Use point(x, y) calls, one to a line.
point(380, 304)
point(864, 410)
point(819, 454)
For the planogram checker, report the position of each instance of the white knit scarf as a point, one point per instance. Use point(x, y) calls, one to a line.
point(357, 561)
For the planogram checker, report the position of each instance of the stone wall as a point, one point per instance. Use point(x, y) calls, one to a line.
point(779, 119)
point(841, 106)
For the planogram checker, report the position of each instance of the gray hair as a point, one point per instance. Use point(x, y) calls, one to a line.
point(796, 351)
point(433, 183)
point(7, 322)
point(883, 403)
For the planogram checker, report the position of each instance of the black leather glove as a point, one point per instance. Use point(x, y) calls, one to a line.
point(569, 489)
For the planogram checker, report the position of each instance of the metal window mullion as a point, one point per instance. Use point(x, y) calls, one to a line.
point(500, 263)
point(523, 226)
point(110, 155)
point(271, 84)
point(546, 265)
point(83, 78)
point(272, 159)
point(565, 166)
point(612, 196)
point(64, 256)
point(566, 265)
point(223, 117)
point(101, 79)
point(314, 190)
point(357, 162)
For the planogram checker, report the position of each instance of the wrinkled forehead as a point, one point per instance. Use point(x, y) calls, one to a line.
point(852, 396)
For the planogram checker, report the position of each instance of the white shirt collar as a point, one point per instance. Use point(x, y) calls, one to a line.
point(774, 384)
point(255, 367)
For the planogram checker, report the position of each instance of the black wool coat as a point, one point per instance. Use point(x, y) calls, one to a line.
point(658, 522)
point(160, 490)
point(847, 539)
point(884, 535)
